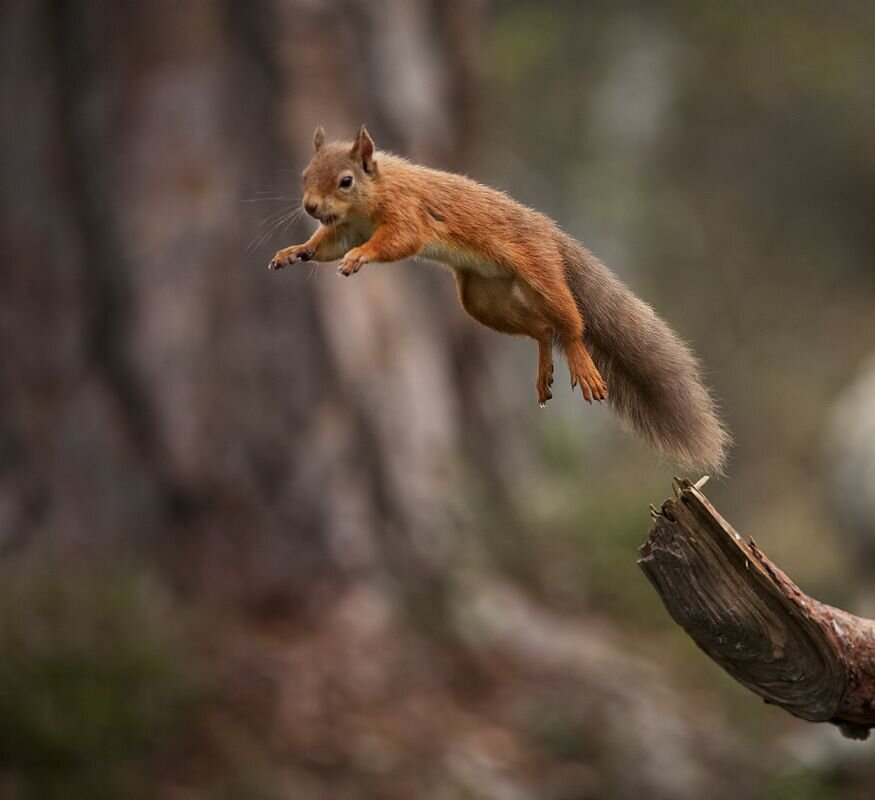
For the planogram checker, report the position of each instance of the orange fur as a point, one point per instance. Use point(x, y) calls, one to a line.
point(516, 271)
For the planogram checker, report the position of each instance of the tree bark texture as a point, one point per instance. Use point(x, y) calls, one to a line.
point(813, 660)
point(158, 386)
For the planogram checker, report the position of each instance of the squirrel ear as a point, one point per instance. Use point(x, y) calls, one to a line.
point(318, 138)
point(363, 150)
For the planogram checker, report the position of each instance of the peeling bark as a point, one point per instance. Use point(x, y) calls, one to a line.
point(813, 660)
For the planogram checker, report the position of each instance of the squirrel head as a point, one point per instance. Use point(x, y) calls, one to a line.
point(339, 177)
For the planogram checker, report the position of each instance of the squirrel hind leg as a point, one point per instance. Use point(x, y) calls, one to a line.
point(583, 371)
point(509, 307)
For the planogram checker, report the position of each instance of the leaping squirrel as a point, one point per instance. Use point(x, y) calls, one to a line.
point(518, 273)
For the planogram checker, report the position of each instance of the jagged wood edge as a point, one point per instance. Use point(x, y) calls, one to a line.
point(813, 660)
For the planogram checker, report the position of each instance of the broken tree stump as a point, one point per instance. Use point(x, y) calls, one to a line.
point(813, 660)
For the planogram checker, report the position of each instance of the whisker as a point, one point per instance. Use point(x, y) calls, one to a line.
point(268, 198)
point(281, 221)
point(294, 217)
point(265, 231)
point(275, 216)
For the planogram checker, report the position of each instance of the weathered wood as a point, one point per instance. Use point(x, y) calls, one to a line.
point(813, 660)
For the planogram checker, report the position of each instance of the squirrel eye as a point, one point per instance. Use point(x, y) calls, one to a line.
point(346, 182)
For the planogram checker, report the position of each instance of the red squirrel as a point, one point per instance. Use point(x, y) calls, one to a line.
point(516, 272)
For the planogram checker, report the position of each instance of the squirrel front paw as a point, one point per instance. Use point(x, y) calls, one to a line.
point(352, 262)
point(290, 255)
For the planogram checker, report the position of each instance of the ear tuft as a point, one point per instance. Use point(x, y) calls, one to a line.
point(363, 150)
point(318, 138)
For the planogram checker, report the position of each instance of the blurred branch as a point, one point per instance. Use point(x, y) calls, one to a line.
point(813, 660)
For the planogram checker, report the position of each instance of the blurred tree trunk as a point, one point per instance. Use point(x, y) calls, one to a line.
point(290, 443)
point(159, 385)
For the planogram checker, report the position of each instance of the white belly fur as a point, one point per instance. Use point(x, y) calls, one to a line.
point(460, 258)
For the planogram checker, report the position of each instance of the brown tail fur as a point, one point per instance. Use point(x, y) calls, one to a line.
point(653, 378)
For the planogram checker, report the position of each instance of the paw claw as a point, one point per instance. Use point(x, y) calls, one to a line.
point(592, 385)
point(350, 265)
point(290, 255)
point(542, 386)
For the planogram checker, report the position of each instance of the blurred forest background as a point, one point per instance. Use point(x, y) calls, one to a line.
point(286, 536)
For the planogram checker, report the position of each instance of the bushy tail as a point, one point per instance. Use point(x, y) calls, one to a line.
point(653, 378)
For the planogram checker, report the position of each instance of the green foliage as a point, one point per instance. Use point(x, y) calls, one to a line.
point(566, 735)
point(90, 684)
point(523, 39)
point(801, 784)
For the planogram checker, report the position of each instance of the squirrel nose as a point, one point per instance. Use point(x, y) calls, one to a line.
point(310, 208)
